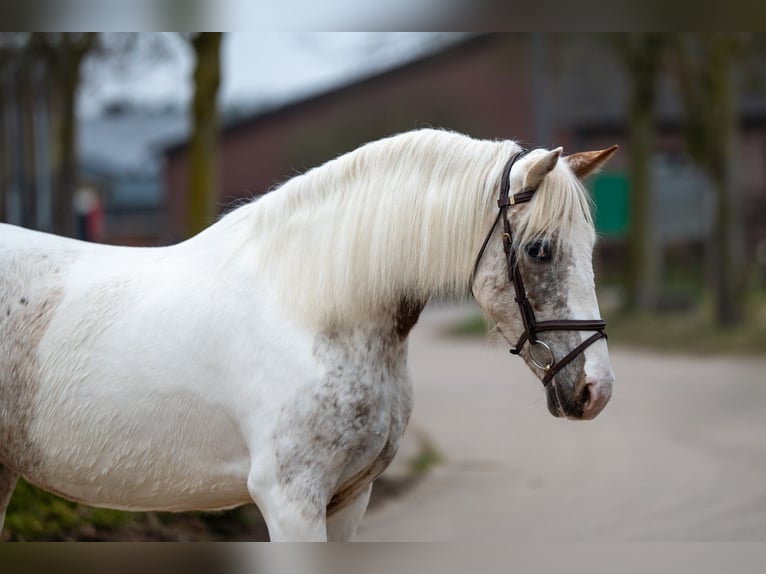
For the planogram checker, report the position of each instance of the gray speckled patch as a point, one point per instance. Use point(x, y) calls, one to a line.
point(343, 432)
point(547, 287)
point(30, 291)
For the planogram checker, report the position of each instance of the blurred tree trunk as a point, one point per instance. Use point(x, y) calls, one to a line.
point(203, 147)
point(707, 68)
point(65, 54)
point(25, 109)
point(5, 167)
point(641, 55)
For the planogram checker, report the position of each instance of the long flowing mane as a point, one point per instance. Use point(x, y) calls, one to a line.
point(401, 217)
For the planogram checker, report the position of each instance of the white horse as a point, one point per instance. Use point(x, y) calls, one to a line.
point(265, 359)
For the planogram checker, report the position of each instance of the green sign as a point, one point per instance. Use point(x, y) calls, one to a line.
point(611, 195)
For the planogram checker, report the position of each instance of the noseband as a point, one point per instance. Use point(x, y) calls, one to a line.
point(531, 325)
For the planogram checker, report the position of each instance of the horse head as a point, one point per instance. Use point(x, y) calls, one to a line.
point(534, 278)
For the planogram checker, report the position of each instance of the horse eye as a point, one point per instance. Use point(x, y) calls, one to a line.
point(540, 251)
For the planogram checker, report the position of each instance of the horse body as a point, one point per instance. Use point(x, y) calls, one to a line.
point(264, 359)
point(117, 413)
point(214, 398)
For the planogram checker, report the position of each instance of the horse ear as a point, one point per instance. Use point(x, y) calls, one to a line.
point(586, 163)
point(541, 168)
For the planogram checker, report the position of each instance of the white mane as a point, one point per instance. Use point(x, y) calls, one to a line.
point(399, 217)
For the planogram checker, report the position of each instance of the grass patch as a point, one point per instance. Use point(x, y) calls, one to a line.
point(476, 326)
point(35, 515)
point(693, 333)
point(425, 460)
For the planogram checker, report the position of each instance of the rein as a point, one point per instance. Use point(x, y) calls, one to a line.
point(531, 325)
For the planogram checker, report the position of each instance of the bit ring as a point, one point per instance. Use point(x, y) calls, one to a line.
point(540, 364)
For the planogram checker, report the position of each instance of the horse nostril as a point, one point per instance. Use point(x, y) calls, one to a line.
point(593, 397)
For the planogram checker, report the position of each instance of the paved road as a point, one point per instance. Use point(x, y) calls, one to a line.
point(679, 453)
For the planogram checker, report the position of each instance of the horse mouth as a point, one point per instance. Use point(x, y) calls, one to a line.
point(560, 404)
point(554, 405)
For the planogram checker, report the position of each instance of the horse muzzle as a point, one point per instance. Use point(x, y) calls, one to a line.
point(584, 403)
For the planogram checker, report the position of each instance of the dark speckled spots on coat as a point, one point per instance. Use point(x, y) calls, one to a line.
point(547, 289)
point(30, 294)
point(343, 430)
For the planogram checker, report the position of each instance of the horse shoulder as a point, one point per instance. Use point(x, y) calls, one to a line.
point(342, 430)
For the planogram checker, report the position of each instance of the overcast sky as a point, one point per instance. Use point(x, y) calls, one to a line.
point(259, 68)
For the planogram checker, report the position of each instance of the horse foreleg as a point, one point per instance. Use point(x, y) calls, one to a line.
point(289, 518)
point(291, 523)
point(8, 480)
point(342, 525)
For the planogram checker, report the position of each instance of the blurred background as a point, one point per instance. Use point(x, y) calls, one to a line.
point(145, 139)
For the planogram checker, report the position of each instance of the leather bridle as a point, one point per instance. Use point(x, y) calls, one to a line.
point(531, 325)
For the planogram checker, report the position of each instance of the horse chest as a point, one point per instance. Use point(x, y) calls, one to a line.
point(342, 431)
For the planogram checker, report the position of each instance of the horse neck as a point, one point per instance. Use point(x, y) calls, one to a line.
point(380, 229)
